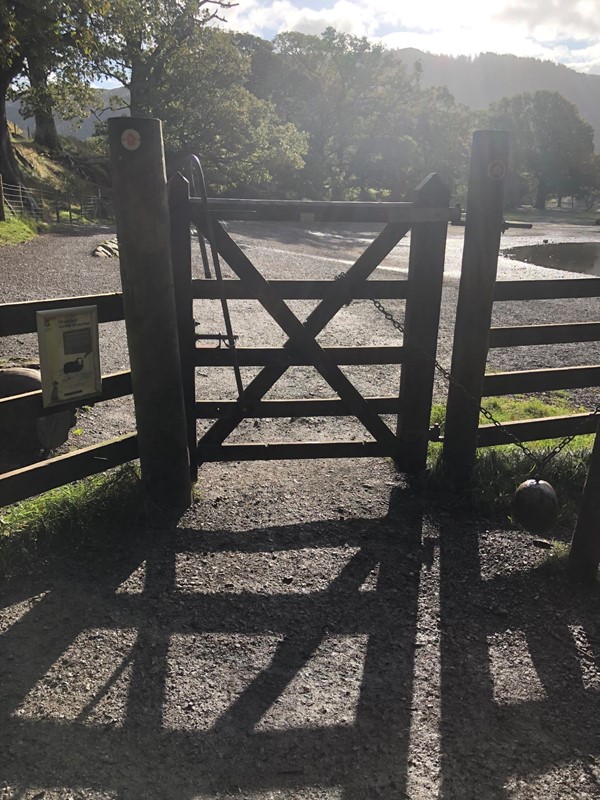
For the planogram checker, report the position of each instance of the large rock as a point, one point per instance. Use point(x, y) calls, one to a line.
point(31, 433)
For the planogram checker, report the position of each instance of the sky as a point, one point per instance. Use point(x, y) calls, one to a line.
point(563, 31)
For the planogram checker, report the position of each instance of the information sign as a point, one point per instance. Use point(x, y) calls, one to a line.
point(69, 354)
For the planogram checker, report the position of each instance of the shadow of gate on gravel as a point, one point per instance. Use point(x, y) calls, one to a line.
point(161, 673)
point(520, 674)
point(69, 721)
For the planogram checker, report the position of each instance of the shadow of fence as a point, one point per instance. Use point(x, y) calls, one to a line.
point(152, 676)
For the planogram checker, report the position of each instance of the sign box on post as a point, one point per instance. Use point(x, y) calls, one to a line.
point(69, 354)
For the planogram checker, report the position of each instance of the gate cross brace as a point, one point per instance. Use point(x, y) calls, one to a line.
point(302, 336)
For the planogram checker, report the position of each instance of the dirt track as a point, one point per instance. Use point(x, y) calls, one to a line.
point(308, 630)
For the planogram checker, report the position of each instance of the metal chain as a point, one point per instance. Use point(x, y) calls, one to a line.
point(540, 463)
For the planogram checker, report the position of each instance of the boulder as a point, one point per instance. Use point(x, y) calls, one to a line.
point(31, 432)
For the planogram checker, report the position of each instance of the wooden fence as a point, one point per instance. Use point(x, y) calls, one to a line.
point(47, 206)
point(166, 410)
point(474, 335)
point(19, 318)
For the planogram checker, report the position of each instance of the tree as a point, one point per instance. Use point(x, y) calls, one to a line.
point(373, 132)
point(333, 87)
point(551, 145)
point(49, 44)
point(207, 110)
point(413, 135)
point(588, 182)
point(11, 64)
point(140, 40)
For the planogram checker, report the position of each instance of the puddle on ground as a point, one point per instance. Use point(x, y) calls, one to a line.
point(574, 257)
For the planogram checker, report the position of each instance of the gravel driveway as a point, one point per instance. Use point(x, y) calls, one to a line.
point(63, 266)
point(307, 630)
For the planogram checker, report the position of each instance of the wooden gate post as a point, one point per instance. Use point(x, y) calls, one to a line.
point(2, 212)
point(487, 178)
point(142, 214)
point(181, 254)
point(425, 277)
point(584, 556)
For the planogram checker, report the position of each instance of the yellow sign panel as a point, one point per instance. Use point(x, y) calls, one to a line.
point(69, 354)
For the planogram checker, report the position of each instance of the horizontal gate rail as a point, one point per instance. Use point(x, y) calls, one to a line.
point(45, 475)
point(263, 356)
point(295, 450)
point(325, 211)
point(562, 333)
point(540, 380)
point(265, 409)
point(537, 429)
point(17, 318)
point(300, 290)
point(554, 289)
point(117, 384)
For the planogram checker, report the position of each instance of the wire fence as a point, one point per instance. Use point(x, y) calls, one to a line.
point(50, 207)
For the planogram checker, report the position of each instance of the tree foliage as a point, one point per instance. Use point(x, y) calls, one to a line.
point(140, 40)
point(207, 110)
point(332, 116)
point(552, 147)
point(337, 88)
point(46, 55)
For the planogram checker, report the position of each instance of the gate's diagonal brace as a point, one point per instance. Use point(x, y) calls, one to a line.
point(302, 339)
point(315, 322)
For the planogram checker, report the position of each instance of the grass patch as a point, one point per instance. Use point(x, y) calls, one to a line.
point(17, 229)
point(68, 519)
point(76, 215)
point(499, 470)
point(552, 214)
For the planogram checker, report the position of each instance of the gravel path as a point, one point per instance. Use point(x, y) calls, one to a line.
point(307, 631)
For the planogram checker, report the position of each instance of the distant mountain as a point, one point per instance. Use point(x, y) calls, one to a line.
point(83, 131)
point(479, 81)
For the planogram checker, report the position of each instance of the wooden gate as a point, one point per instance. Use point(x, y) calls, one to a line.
point(427, 219)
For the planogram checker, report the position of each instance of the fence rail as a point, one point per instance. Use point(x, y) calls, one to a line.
point(527, 381)
point(474, 335)
point(19, 318)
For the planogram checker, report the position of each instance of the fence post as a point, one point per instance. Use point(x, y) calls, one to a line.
point(181, 254)
point(584, 556)
point(2, 212)
point(425, 277)
point(489, 160)
point(142, 213)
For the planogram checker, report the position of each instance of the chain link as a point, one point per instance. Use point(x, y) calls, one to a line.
point(539, 463)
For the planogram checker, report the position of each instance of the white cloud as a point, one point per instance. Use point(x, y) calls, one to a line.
point(550, 19)
point(536, 28)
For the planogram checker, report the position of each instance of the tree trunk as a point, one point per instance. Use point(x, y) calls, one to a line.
point(140, 90)
point(9, 169)
point(46, 134)
point(540, 198)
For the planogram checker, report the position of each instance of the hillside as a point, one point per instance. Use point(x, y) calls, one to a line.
point(489, 77)
point(83, 131)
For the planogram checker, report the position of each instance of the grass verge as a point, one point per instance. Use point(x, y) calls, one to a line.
point(17, 229)
point(499, 470)
point(68, 519)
